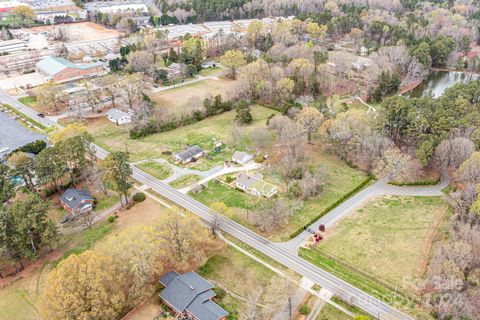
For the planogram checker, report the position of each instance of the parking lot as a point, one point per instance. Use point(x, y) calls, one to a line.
point(14, 135)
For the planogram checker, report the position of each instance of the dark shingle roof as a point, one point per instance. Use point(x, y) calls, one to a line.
point(73, 197)
point(192, 293)
point(168, 277)
point(189, 152)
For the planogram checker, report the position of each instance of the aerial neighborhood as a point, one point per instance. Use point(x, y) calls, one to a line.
point(239, 160)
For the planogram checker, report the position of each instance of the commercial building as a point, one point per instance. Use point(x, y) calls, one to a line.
point(61, 70)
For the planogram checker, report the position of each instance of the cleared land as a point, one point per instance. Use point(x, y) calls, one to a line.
point(183, 99)
point(82, 31)
point(116, 138)
point(383, 246)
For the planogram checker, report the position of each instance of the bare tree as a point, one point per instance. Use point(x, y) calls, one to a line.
point(250, 309)
point(88, 218)
point(453, 152)
point(280, 297)
point(398, 167)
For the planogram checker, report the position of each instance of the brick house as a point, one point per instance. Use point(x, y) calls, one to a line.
point(76, 201)
point(61, 70)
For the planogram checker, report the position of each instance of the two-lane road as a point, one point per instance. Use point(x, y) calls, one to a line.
point(347, 292)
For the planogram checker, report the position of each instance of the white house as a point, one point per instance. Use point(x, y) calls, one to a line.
point(118, 117)
point(241, 157)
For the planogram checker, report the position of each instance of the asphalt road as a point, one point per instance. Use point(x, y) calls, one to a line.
point(342, 289)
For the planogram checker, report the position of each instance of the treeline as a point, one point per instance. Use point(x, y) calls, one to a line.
point(161, 122)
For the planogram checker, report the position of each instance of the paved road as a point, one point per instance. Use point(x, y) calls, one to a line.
point(284, 256)
point(379, 188)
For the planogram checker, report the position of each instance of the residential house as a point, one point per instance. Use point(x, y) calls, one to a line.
point(119, 117)
point(209, 64)
point(190, 296)
point(76, 201)
point(241, 157)
point(188, 155)
point(61, 70)
point(255, 185)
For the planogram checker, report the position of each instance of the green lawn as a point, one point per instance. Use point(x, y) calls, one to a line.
point(116, 138)
point(329, 312)
point(106, 202)
point(28, 100)
point(218, 191)
point(210, 71)
point(158, 170)
point(185, 181)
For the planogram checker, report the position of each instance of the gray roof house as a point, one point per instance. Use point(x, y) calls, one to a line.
point(241, 157)
point(118, 116)
point(255, 185)
point(188, 155)
point(76, 201)
point(190, 295)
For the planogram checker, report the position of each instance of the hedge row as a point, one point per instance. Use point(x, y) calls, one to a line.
point(333, 205)
point(430, 182)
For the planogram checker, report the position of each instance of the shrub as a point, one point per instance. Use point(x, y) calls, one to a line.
point(229, 179)
point(111, 219)
point(139, 197)
point(258, 159)
point(304, 309)
point(294, 190)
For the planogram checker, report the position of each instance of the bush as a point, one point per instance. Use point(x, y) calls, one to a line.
point(258, 159)
point(229, 179)
point(139, 197)
point(333, 205)
point(304, 309)
point(294, 190)
point(111, 219)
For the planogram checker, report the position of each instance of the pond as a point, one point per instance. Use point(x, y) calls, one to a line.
point(439, 80)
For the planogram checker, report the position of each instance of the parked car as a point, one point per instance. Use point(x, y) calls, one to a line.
point(41, 115)
point(4, 149)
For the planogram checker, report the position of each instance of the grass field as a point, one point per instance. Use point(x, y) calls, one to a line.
point(383, 246)
point(116, 138)
point(182, 99)
point(158, 170)
point(185, 181)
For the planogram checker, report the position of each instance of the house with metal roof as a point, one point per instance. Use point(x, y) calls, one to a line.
point(76, 201)
point(255, 185)
point(118, 116)
point(61, 70)
point(188, 155)
point(190, 296)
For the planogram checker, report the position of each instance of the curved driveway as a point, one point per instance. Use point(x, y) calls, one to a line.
point(379, 188)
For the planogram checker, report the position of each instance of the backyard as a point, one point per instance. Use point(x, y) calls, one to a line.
point(116, 138)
